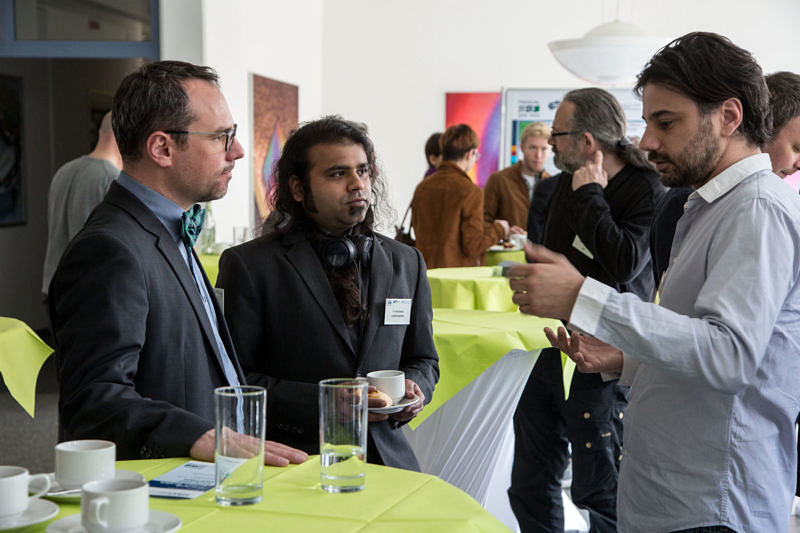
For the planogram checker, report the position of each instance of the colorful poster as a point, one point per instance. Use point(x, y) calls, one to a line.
point(274, 117)
point(482, 112)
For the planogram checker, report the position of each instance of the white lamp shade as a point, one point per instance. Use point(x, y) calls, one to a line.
point(610, 54)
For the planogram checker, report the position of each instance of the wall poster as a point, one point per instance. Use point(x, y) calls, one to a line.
point(482, 112)
point(275, 115)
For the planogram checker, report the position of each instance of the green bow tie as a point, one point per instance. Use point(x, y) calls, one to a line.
point(192, 224)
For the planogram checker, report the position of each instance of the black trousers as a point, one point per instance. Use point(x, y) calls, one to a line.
point(591, 420)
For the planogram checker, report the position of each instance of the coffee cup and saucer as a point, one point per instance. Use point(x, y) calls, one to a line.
point(116, 506)
point(80, 461)
point(393, 383)
point(18, 508)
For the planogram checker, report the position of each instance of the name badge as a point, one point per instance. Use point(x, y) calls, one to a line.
point(398, 312)
point(578, 245)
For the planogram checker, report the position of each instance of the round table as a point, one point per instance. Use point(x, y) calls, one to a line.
point(470, 288)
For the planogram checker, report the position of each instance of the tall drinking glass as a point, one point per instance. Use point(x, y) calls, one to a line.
point(343, 433)
point(241, 418)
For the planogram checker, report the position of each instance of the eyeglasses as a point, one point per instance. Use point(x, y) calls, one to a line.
point(477, 154)
point(229, 135)
point(560, 133)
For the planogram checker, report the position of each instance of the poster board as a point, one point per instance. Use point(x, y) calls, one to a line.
point(482, 112)
point(523, 106)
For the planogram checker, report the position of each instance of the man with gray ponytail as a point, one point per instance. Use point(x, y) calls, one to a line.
point(599, 218)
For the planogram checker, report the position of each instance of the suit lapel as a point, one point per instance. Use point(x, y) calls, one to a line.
point(169, 250)
point(381, 274)
point(305, 262)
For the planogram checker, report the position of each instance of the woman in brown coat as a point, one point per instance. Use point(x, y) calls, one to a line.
point(447, 209)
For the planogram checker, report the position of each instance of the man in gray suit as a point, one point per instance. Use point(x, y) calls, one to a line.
point(323, 296)
point(140, 340)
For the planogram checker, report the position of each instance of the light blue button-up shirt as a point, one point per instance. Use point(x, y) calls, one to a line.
point(709, 434)
point(169, 213)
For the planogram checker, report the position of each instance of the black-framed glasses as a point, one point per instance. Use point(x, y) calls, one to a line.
point(560, 133)
point(229, 135)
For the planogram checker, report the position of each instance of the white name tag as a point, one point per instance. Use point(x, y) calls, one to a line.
point(398, 312)
point(578, 245)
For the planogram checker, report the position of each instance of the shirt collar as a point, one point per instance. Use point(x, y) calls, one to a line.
point(733, 175)
point(167, 211)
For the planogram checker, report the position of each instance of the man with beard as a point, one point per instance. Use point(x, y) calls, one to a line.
point(599, 218)
point(325, 296)
point(709, 438)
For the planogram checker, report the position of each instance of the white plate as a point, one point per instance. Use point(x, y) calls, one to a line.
point(501, 248)
point(37, 511)
point(399, 406)
point(159, 522)
point(74, 496)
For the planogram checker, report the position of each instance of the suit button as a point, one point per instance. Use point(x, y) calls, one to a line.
point(587, 416)
point(588, 444)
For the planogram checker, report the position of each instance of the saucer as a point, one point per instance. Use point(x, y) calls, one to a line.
point(396, 408)
point(160, 522)
point(501, 248)
point(74, 496)
point(37, 511)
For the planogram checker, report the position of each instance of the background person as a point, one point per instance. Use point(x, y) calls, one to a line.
point(447, 207)
point(507, 193)
point(77, 187)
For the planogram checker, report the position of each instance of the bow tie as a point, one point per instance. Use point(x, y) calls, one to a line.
point(192, 224)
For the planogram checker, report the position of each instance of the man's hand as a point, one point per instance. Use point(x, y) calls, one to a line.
point(516, 230)
point(548, 287)
point(590, 355)
point(275, 453)
point(591, 172)
point(412, 391)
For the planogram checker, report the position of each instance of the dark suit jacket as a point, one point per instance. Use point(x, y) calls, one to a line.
point(538, 209)
point(137, 360)
point(290, 334)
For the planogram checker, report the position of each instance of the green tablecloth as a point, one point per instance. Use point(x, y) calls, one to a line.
point(22, 354)
point(469, 342)
point(394, 500)
point(470, 288)
point(210, 264)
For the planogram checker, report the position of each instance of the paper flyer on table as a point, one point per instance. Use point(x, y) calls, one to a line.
point(187, 481)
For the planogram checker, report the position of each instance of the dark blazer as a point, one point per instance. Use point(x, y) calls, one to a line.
point(290, 334)
point(137, 361)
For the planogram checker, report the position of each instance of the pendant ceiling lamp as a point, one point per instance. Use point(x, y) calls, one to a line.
point(611, 54)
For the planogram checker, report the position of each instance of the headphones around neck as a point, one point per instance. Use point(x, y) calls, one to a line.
point(342, 251)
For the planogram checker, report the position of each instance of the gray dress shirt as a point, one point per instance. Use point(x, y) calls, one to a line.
point(709, 436)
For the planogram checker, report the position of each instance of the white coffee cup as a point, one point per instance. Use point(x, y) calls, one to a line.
point(81, 461)
point(392, 382)
point(115, 506)
point(518, 240)
point(15, 483)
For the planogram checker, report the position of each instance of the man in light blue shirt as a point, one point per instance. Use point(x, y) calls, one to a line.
point(709, 438)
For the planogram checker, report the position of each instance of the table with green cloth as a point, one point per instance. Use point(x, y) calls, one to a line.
point(393, 500)
point(465, 434)
point(495, 257)
point(22, 354)
point(210, 263)
point(470, 288)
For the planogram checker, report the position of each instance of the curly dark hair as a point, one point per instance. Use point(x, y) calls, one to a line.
point(709, 69)
point(294, 161)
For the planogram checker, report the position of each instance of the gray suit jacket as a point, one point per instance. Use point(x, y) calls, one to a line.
point(290, 334)
point(137, 361)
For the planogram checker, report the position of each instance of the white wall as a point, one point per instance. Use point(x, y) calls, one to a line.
point(389, 63)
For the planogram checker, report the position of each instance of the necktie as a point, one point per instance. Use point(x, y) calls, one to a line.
point(192, 224)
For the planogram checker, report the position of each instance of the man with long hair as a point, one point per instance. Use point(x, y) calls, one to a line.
point(323, 295)
point(598, 217)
